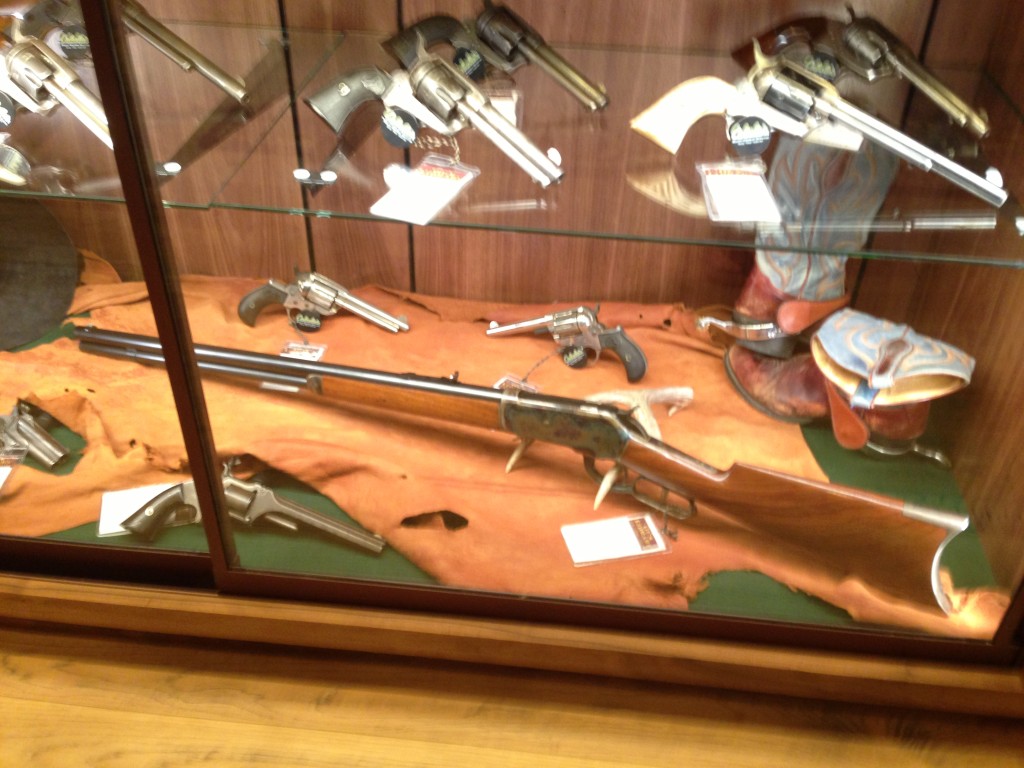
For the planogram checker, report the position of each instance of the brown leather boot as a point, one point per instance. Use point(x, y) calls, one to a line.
point(790, 390)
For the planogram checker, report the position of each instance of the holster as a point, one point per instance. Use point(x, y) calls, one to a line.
point(881, 378)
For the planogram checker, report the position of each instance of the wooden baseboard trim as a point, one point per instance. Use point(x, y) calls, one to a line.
point(911, 683)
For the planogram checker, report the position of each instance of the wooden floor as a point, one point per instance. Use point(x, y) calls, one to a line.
point(138, 700)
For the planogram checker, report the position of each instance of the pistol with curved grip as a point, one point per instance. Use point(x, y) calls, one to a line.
point(336, 103)
point(248, 502)
point(313, 293)
point(582, 338)
point(434, 92)
point(789, 97)
point(865, 48)
point(499, 38)
point(409, 44)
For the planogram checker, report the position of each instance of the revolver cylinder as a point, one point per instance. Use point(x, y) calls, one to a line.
point(452, 96)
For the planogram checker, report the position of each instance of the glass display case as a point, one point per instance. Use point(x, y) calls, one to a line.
point(696, 321)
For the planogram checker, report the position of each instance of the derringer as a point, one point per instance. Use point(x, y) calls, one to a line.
point(28, 426)
point(314, 295)
point(582, 338)
point(799, 93)
point(38, 79)
point(247, 501)
point(516, 42)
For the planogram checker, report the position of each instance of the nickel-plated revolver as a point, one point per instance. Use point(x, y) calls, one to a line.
point(499, 38)
point(311, 296)
point(803, 95)
point(38, 79)
point(582, 339)
point(435, 93)
point(248, 502)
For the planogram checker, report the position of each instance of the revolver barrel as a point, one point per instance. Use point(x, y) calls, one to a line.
point(508, 35)
point(878, 51)
point(139, 21)
point(324, 292)
point(450, 94)
point(799, 94)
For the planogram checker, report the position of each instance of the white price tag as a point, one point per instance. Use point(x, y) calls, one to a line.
point(612, 539)
point(738, 192)
point(417, 196)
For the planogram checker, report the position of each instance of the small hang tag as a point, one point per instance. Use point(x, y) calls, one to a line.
point(418, 195)
point(613, 539)
point(738, 191)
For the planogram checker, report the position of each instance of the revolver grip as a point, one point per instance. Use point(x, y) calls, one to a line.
point(427, 33)
point(158, 512)
point(336, 103)
point(627, 350)
point(256, 301)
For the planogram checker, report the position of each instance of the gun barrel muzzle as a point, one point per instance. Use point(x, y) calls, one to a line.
point(139, 21)
point(592, 96)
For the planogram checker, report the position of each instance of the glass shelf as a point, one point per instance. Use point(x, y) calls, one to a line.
point(225, 155)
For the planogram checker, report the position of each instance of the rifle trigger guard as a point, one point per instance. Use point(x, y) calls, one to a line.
point(662, 505)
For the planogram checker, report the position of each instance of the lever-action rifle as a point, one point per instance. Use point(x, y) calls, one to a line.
point(601, 433)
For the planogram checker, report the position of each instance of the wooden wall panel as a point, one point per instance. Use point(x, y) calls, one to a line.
point(237, 242)
point(504, 266)
point(356, 253)
point(699, 25)
point(104, 229)
point(1004, 51)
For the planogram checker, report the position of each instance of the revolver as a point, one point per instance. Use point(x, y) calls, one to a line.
point(501, 39)
point(517, 42)
point(311, 296)
point(799, 93)
point(28, 427)
point(247, 501)
point(39, 80)
point(435, 93)
point(66, 15)
point(867, 49)
point(582, 339)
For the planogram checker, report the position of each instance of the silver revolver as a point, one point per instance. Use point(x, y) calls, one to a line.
point(432, 93)
point(39, 80)
point(248, 502)
point(582, 339)
point(798, 93)
point(312, 296)
point(28, 426)
point(39, 19)
point(866, 47)
point(500, 39)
